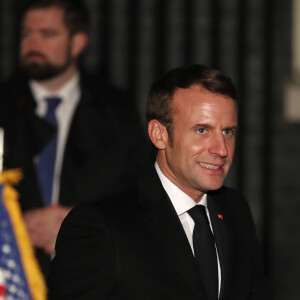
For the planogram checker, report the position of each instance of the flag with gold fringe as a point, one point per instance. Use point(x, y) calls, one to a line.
point(20, 275)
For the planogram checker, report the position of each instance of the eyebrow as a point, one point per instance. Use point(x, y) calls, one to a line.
point(206, 125)
point(201, 125)
point(235, 127)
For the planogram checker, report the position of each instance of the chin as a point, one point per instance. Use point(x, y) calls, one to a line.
point(213, 186)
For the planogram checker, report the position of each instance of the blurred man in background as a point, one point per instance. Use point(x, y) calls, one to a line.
point(64, 128)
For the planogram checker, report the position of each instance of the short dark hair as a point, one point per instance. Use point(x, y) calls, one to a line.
point(162, 91)
point(76, 16)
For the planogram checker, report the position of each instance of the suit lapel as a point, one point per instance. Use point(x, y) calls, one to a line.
point(224, 240)
point(30, 134)
point(164, 223)
point(42, 132)
point(34, 131)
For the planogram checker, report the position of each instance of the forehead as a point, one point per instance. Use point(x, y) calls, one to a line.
point(196, 101)
point(47, 17)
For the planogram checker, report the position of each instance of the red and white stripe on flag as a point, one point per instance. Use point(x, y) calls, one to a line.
point(2, 285)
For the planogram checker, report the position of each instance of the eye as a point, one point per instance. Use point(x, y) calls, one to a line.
point(201, 130)
point(228, 132)
point(25, 34)
point(48, 34)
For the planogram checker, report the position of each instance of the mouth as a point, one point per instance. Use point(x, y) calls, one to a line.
point(209, 166)
point(34, 54)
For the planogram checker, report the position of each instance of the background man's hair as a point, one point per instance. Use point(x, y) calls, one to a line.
point(76, 17)
point(162, 91)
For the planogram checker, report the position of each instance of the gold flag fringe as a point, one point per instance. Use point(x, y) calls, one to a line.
point(35, 279)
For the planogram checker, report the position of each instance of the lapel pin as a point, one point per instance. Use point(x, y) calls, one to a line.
point(220, 216)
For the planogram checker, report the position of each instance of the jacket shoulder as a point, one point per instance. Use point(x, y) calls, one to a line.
point(125, 200)
point(97, 84)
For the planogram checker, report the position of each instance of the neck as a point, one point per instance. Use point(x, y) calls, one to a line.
point(55, 83)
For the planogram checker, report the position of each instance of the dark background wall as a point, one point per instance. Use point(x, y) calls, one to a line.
point(134, 42)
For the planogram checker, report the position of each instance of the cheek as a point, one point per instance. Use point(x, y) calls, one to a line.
point(185, 147)
point(196, 147)
point(59, 46)
point(24, 46)
point(231, 148)
point(58, 53)
point(189, 153)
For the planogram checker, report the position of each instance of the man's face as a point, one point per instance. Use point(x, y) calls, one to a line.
point(203, 140)
point(45, 43)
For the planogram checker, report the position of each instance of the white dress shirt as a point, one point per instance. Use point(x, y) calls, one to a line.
point(70, 94)
point(182, 203)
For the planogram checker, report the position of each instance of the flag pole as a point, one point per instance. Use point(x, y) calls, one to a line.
point(1, 148)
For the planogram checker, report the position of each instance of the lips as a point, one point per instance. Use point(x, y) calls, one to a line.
point(34, 54)
point(209, 166)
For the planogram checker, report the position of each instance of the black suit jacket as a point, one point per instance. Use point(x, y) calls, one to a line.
point(105, 147)
point(133, 246)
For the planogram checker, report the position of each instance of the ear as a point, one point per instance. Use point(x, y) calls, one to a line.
point(158, 134)
point(79, 42)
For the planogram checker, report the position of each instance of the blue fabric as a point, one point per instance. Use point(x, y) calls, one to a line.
point(16, 284)
point(46, 160)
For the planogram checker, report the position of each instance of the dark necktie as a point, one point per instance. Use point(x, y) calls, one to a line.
point(205, 250)
point(46, 162)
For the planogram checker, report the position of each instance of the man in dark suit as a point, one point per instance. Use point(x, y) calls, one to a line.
point(177, 226)
point(93, 155)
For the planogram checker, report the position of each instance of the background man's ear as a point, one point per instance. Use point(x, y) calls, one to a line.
point(158, 134)
point(79, 42)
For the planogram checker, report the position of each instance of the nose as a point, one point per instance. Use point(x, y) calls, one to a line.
point(218, 146)
point(31, 42)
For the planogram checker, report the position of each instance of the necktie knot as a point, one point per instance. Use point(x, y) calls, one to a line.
point(52, 104)
point(198, 214)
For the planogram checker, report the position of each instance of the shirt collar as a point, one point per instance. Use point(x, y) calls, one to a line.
point(65, 92)
point(180, 200)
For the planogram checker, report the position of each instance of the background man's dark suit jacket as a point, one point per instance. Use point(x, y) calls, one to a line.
point(133, 246)
point(103, 150)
